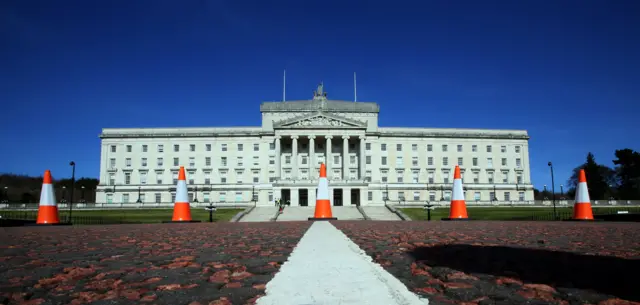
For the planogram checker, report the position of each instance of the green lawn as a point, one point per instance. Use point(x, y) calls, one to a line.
point(506, 213)
point(135, 216)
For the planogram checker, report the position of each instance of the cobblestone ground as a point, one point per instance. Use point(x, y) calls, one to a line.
point(222, 263)
point(507, 262)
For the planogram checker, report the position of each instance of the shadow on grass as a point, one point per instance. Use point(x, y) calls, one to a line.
point(604, 274)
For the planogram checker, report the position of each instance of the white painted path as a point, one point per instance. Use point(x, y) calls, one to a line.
point(326, 267)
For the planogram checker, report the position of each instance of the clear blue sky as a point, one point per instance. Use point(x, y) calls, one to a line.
point(566, 71)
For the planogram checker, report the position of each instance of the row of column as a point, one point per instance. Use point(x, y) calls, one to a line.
point(328, 156)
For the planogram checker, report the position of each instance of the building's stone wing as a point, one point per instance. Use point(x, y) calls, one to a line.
point(319, 120)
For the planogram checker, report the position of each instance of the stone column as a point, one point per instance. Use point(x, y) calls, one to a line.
point(328, 156)
point(294, 157)
point(345, 158)
point(362, 159)
point(312, 159)
point(278, 158)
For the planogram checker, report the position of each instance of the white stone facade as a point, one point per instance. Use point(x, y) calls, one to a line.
point(366, 164)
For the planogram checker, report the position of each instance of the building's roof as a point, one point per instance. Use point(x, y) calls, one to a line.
point(317, 105)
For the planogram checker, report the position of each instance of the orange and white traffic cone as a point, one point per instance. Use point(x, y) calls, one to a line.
point(582, 208)
point(181, 208)
point(323, 203)
point(458, 209)
point(48, 209)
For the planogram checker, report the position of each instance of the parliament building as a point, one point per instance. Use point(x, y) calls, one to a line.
point(366, 164)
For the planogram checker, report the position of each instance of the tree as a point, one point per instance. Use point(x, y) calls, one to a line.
point(601, 179)
point(628, 173)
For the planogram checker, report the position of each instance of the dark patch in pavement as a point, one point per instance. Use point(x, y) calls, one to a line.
point(220, 263)
point(490, 262)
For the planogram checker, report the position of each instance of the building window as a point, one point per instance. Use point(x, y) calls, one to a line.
point(223, 147)
point(385, 195)
point(400, 176)
point(398, 147)
point(492, 196)
point(368, 159)
point(127, 162)
point(239, 177)
point(476, 196)
point(367, 146)
point(207, 177)
point(521, 196)
point(256, 177)
point(256, 147)
point(352, 160)
point(113, 148)
point(109, 198)
point(256, 160)
point(192, 147)
point(475, 161)
point(206, 197)
point(430, 177)
point(517, 149)
point(336, 160)
point(447, 195)
point(504, 161)
point(429, 147)
point(430, 161)
point(238, 196)
point(112, 162)
point(160, 148)
point(176, 147)
point(445, 161)
point(160, 162)
point(173, 197)
point(445, 177)
point(432, 196)
point(383, 160)
point(383, 175)
point(176, 161)
point(415, 175)
point(223, 196)
point(367, 176)
point(223, 177)
point(474, 148)
point(414, 161)
point(191, 175)
point(145, 148)
point(240, 147)
point(459, 148)
point(207, 147)
point(503, 149)
point(518, 163)
point(192, 161)
point(399, 161)
point(416, 196)
point(370, 196)
point(270, 196)
point(489, 162)
point(240, 161)
point(445, 147)
point(507, 196)
point(476, 177)
point(143, 177)
point(490, 177)
point(460, 161)
point(112, 179)
point(272, 160)
point(223, 161)
point(174, 176)
point(414, 147)
point(505, 177)
point(287, 159)
point(383, 147)
point(143, 162)
point(127, 178)
point(272, 176)
point(158, 197)
point(352, 174)
point(190, 197)
point(272, 146)
point(158, 177)
point(207, 161)
point(125, 198)
point(519, 178)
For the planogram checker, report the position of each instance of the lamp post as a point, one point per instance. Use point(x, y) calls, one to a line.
point(73, 182)
point(553, 192)
point(82, 194)
point(64, 194)
point(139, 199)
point(561, 192)
point(442, 193)
point(196, 194)
point(6, 194)
point(495, 194)
point(387, 196)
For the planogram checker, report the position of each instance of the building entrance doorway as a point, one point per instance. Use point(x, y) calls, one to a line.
point(355, 197)
point(286, 195)
point(303, 197)
point(337, 197)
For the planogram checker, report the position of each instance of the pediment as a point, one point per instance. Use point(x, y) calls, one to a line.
point(320, 120)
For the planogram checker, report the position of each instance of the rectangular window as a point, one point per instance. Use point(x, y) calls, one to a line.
point(272, 146)
point(125, 198)
point(174, 176)
point(176, 162)
point(385, 195)
point(192, 161)
point(400, 176)
point(127, 162)
point(112, 179)
point(460, 161)
point(112, 163)
point(143, 162)
point(206, 197)
point(519, 178)
point(223, 196)
point(401, 196)
point(383, 160)
point(430, 161)
point(517, 149)
point(368, 159)
point(223, 161)
point(489, 162)
point(240, 147)
point(432, 196)
point(459, 148)
point(414, 147)
point(445, 147)
point(127, 178)
point(503, 149)
point(145, 148)
point(399, 161)
point(143, 177)
point(238, 196)
point(176, 147)
point(474, 148)
point(431, 177)
point(207, 147)
point(367, 146)
point(370, 196)
point(447, 195)
point(518, 163)
point(415, 175)
point(445, 177)
point(256, 160)
point(383, 147)
point(416, 196)
point(256, 147)
point(429, 147)
point(270, 196)
point(239, 161)
point(505, 177)
point(207, 177)
point(336, 160)
point(160, 148)
point(158, 197)
point(414, 161)
point(109, 198)
point(492, 196)
point(223, 147)
point(398, 147)
point(488, 148)
point(207, 161)
point(113, 148)
point(476, 196)
point(445, 161)
point(158, 177)
point(507, 196)
point(287, 159)
point(521, 196)
point(504, 161)
point(475, 161)
point(476, 177)
point(352, 160)
point(490, 177)
point(192, 147)
point(272, 160)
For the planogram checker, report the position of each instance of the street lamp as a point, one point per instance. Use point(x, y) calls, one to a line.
point(442, 193)
point(495, 194)
point(561, 192)
point(196, 194)
point(73, 183)
point(553, 192)
point(6, 194)
point(82, 194)
point(139, 199)
point(64, 194)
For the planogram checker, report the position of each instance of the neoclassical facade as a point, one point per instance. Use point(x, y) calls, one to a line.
point(366, 164)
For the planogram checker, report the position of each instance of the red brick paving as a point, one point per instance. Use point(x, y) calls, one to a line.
point(221, 263)
point(507, 262)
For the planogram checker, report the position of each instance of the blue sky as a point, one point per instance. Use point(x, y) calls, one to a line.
point(563, 70)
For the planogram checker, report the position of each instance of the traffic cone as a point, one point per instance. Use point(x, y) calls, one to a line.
point(458, 209)
point(582, 207)
point(48, 209)
point(181, 208)
point(323, 203)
